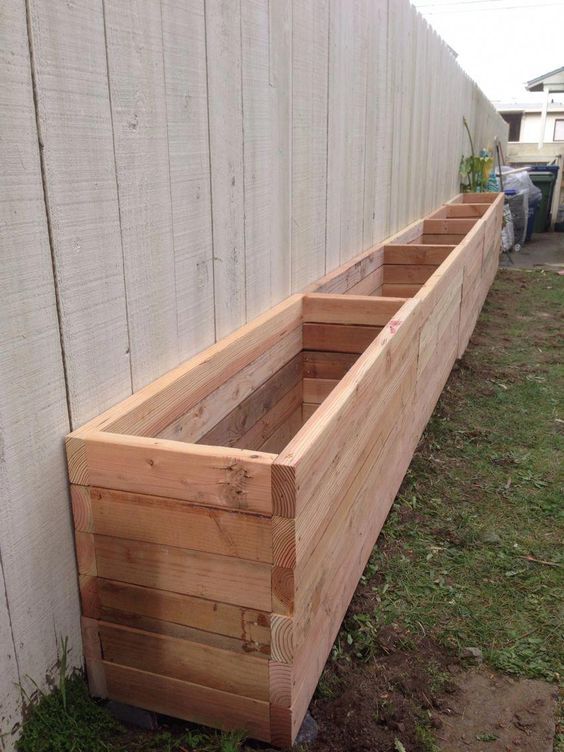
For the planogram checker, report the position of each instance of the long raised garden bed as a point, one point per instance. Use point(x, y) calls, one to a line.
point(224, 513)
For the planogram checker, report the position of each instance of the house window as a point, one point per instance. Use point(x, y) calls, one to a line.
point(514, 120)
point(559, 129)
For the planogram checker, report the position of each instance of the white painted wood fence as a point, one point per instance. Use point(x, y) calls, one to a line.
point(169, 169)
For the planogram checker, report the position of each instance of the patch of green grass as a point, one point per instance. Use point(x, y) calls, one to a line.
point(67, 719)
point(471, 552)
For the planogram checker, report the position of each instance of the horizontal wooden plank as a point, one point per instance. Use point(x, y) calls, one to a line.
point(235, 673)
point(182, 632)
point(316, 390)
point(416, 254)
point(436, 239)
point(327, 365)
point(105, 597)
point(154, 519)
point(259, 434)
point(407, 274)
point(349, 309)
point(479, 198)
point(457, 211)
point(338, 337)
point(196, 424)
point(368, 285)
point(405, 290)
point(179, 570)
point(448, 226)
point(242, 418)
point(191, 702)
point(231, 478)
point(284, 433)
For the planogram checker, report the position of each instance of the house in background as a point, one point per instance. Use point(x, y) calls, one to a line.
point(536, 129)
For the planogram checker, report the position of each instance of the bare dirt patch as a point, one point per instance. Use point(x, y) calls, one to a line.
point(493, 713)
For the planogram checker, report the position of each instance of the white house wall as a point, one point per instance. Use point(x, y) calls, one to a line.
point(171, 169)
point(530, 127)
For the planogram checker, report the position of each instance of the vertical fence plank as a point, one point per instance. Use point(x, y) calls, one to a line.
point(38, 582)
point(355, 131)
point(259, 155)
point(379, 127)
point(310, 20)
point(281, 170)
point(135, 61)
point(223, 38)
point(73, 109)
point(184, 51)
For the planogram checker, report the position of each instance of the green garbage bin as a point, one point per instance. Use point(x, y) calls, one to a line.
point(544, 181)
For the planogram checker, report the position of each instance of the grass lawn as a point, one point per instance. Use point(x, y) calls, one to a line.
point(470, 555)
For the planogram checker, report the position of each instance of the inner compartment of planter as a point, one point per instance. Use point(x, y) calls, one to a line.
point(278, 398)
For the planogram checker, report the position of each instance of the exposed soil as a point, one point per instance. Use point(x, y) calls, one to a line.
point(496, 713)
point(382, 701)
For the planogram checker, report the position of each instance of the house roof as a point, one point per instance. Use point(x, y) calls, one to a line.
point(538, 84)
point(528, 106)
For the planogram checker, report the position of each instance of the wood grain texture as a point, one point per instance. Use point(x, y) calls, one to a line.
point(185, 82)
point(178, 570)
point(235, 673)
point(154, 519)
point(139, 114)
point(75, 127)
point(123, 603)
point(310, 20)
point(231, 478)
point(38, 593)
point(223, 39)
point(194, 702)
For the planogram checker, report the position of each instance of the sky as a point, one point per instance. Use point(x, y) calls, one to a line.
point(501, 43)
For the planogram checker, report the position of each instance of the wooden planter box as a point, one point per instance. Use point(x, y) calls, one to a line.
point(225, 512)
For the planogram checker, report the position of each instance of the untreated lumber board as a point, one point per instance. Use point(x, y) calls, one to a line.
point(352, 309)
point(179, 570)
point(416, 254)
point(459, 211)
point(407, 291)
point(111, 600)
point(155, 519)
point(437, 238)
point(479, 198)
point(326, 365)
point(249, 411)
point(227, 671)
point(316, 390)
point(403, 274)
point(258, 436)
point(284, 432)
point(232, 478)
point(181, 699)
point(339, 337)
point(448, 226)
point(369, 285)
point(199, 421)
